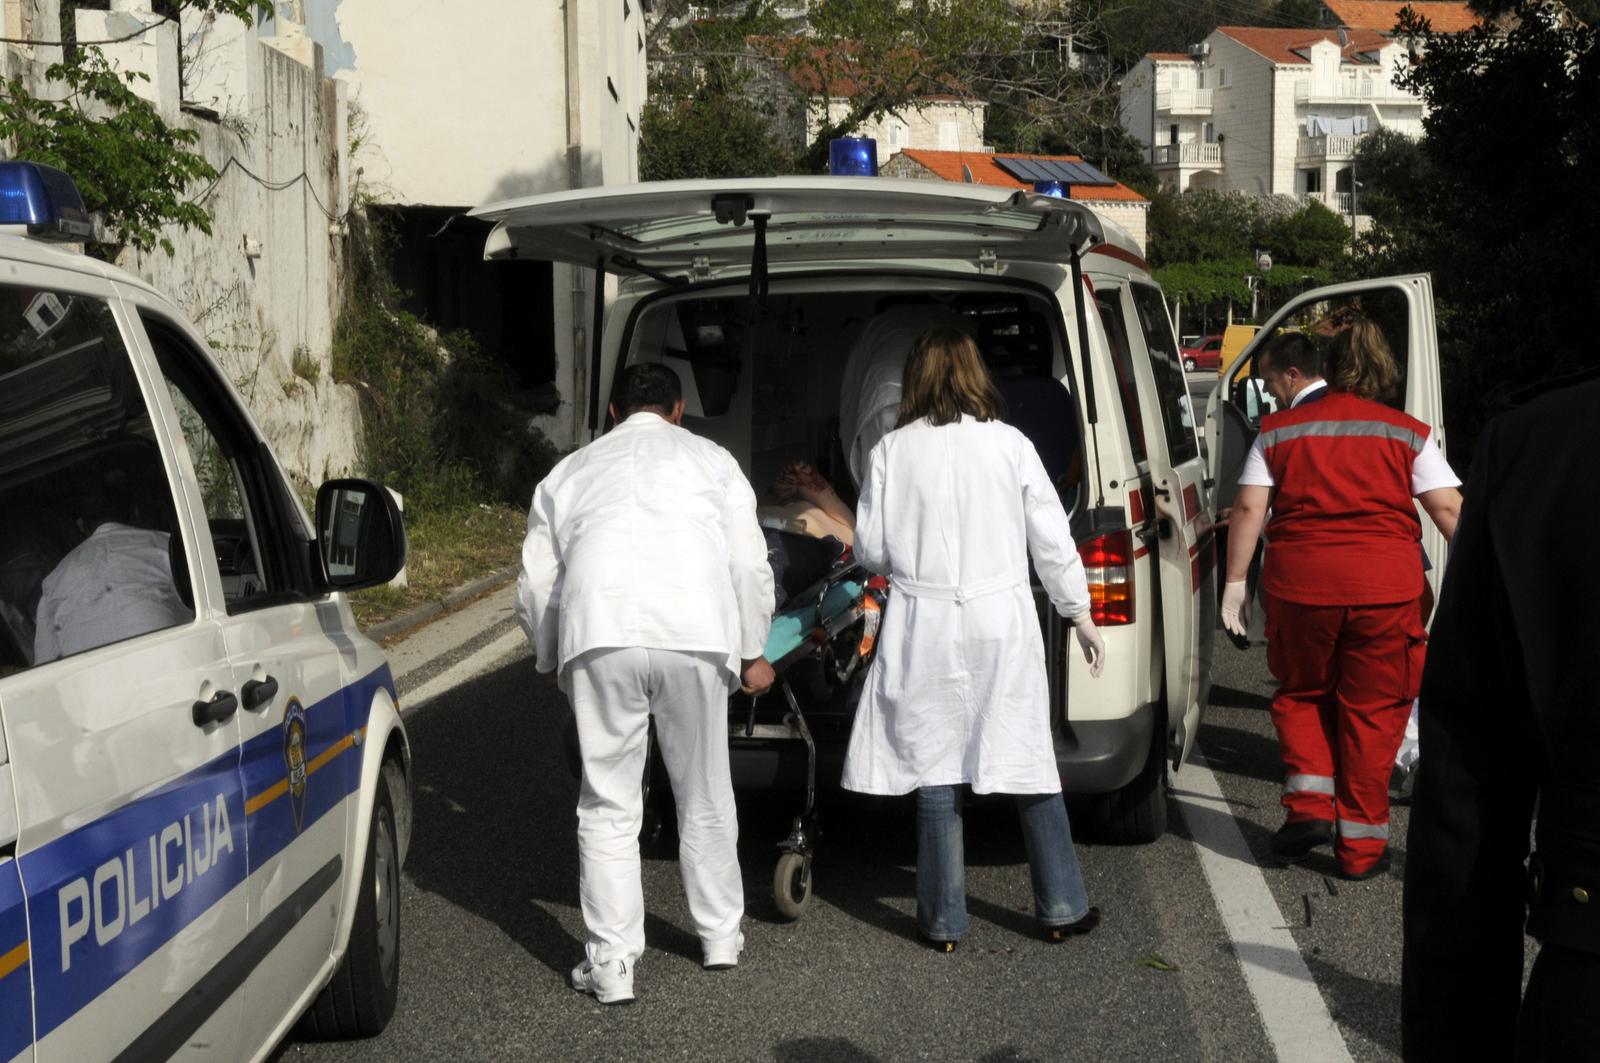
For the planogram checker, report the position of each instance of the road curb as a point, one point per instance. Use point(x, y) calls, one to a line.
point(412, 619)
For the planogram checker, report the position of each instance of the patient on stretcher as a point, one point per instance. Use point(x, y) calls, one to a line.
point(808, 529)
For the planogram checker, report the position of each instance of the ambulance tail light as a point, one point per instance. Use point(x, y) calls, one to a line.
point(1108, 564)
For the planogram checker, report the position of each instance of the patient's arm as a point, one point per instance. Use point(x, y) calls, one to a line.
point(804, 518)
point(801, 479)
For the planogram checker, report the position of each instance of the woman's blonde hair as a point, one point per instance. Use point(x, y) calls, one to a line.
point(945, 378)
point(1360, 361)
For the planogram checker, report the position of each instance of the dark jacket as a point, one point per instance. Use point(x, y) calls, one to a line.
point(1510, 713)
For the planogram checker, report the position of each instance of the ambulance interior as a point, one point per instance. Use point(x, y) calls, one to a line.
point(763, 378)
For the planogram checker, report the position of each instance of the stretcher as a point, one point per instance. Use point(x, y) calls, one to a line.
point(834, 624)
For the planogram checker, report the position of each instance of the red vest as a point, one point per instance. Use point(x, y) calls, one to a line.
point(1344, 528)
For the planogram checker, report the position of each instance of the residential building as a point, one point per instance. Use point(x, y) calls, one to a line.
point(1269, 111)
point(1111, 200)
point(455, 112)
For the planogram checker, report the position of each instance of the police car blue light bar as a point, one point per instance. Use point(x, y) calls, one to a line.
point(853, 157)
point(1059, 189)
point(44, 201)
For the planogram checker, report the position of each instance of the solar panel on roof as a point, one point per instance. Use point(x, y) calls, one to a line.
point(1075, 173)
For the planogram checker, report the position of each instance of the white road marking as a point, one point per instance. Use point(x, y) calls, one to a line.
point(463, 670)
point(1292, 1010)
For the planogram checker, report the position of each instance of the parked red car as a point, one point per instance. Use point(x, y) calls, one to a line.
point(1207, 354)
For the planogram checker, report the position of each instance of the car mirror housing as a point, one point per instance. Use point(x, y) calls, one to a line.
point(361, 535)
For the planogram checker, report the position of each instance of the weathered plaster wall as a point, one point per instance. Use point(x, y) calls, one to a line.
point(263, 287)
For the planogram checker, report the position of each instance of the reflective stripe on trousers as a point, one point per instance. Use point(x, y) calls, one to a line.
point(1349, 828)
point(1309, 784)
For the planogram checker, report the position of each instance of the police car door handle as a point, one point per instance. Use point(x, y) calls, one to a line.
point(219, 708)
point(258, 693)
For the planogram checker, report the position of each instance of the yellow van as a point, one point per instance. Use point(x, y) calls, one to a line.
point(1234, 339)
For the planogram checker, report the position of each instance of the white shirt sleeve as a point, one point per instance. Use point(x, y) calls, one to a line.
point(871, 547)
point(538, 607)
point(1055, 556)
point(1429, 470)
point(753, 585)
point(1255, 472)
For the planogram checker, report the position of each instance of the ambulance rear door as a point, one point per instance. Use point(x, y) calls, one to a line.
point(1185, 542)
point(1402, 307)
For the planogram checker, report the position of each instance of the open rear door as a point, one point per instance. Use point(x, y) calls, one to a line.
point(1185, 542)
point(1403, 308)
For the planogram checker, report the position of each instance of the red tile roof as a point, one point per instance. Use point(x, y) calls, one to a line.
point(1169, 57)
point(1381, 15)
point(1288, 46)
point(986, 171)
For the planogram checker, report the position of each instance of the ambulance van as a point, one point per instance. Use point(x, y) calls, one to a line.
point(755, 290)
point(204, 781)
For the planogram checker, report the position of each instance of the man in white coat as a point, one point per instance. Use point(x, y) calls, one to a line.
point(645, 587)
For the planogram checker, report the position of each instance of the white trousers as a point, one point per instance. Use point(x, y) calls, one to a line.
point(614, 693)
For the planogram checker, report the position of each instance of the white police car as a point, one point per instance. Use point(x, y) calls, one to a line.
point(204, 781)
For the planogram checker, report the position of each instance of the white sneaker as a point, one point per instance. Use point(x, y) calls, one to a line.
point(609, 983)
point(724, 954)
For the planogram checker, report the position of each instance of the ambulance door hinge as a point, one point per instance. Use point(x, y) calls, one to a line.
point(700, 268)
point(988, 261)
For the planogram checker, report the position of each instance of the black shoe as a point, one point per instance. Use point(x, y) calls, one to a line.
point(1087, 922)
point(1295, 840)
point(1372, 872)
point(937, 944)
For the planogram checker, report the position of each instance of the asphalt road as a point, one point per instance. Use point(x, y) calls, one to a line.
point(491, 925)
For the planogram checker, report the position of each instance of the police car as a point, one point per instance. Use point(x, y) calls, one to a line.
point(204, 781)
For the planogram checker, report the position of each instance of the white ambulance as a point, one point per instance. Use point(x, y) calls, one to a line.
point(204, 781)
point(755, 291)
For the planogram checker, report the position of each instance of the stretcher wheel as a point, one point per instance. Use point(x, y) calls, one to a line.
point(791, 885)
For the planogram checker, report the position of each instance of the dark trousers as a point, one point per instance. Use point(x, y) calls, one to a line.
point(1560, 1018)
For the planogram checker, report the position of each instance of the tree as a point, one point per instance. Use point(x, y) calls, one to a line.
point(131, 166)
point(1496, 202)
point(707, 136)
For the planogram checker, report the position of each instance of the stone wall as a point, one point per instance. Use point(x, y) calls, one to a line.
point(264, 286)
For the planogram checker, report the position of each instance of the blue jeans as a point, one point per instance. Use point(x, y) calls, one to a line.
point(1058, 893)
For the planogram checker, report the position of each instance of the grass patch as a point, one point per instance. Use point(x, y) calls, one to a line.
point(448, 548)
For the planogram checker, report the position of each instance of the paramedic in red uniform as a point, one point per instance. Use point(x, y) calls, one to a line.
point(1342, 579)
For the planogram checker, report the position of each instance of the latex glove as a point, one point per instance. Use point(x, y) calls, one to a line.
point(1236, 608)
point(1092, 644)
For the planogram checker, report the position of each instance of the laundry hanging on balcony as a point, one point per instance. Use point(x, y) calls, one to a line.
point(1319, 125)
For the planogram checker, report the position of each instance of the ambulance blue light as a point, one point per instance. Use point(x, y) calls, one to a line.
point(44, 201)
point(853, 157)
point(1059, 189)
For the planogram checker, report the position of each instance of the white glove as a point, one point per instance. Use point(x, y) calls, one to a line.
point(1236, 607)
point(1094, 647)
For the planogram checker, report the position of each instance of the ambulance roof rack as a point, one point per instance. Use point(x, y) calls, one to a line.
point(42, 202)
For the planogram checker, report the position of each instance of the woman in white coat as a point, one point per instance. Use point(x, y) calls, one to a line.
point(952, 504)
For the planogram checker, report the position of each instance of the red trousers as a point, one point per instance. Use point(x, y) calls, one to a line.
point(1347, 676)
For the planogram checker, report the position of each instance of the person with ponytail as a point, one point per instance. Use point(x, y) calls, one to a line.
point(1338, 471)
point(953, 504)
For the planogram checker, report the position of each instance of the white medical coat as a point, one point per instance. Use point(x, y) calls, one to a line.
point(646, 537)
point(957, 692)
point(115, 585)
point(869, 395)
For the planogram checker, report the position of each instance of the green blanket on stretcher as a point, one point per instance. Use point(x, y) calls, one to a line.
point(794, 624)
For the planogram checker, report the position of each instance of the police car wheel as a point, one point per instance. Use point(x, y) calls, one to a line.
point(361, 998)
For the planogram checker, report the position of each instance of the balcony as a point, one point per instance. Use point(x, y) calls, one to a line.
point(1364, 88)
point(1338, 202)
point(1193, 154)
point(1328, 146)
point(1184, 101)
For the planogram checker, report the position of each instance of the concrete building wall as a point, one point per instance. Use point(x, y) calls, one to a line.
point(263, 287)
point(1138, 102)
point(1243, 106)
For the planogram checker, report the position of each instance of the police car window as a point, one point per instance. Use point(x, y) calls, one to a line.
point(87, 518)
point(235, 488)
point(1110, 303)
point(1172, 389)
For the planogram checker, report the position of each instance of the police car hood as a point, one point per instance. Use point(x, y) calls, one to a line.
point(672, 227)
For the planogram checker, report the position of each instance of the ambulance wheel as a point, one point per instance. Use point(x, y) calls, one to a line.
point(361, 998)
point(791, 885)
point(1137, 813)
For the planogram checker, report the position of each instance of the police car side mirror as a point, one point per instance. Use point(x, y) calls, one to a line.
point(361, 536)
